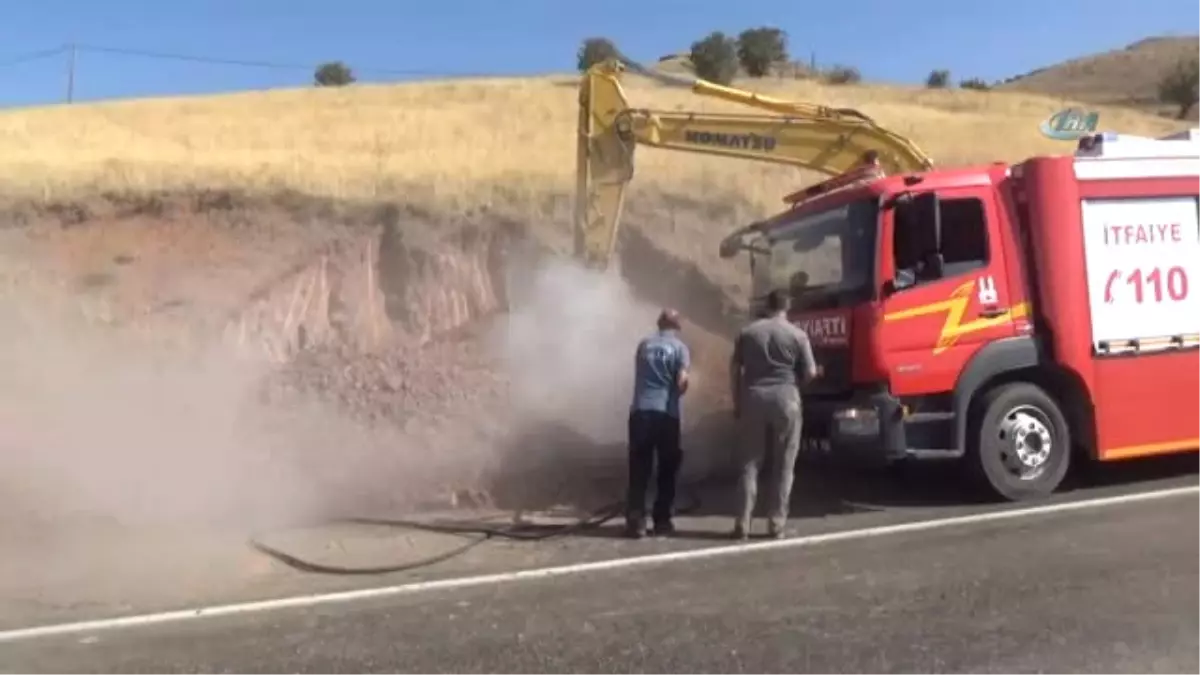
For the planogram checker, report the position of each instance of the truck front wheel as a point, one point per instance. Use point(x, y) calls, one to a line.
point(1021, 445)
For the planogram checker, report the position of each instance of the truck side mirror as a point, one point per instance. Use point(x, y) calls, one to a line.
point(935, 265)
point(742, 239)
point(918, 237)
point(924, 215)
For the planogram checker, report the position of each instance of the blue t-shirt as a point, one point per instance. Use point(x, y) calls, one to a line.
point(659, 359)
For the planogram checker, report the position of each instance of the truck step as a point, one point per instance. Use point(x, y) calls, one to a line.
point(934, 454)
point(918, 418)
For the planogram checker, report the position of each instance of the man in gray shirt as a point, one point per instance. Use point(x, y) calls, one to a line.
point(771, 358)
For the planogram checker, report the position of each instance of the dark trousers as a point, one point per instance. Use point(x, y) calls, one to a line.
point(652, 436)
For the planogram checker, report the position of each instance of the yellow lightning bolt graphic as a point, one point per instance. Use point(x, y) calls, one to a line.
point(954, 307)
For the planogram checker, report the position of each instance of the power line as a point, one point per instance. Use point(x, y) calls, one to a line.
point(71, 50)
point(187, 57)
point(271, 65)
point(32, 56)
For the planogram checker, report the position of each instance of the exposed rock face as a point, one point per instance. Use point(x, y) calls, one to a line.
point(369, 358)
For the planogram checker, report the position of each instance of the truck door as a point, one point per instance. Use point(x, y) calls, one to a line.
point(935, 319)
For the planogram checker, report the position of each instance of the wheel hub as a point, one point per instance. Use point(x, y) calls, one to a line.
point(1028, 442)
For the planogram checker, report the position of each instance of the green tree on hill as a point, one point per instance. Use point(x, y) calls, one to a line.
point(842, 75)
point(938, 79)
point(595, 50)
point(760, 49)
point(715, 58)
point(975, 83)
point(333, 74)
point(1179, 85)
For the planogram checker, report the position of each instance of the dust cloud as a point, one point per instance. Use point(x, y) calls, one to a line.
point(97, 428)
point(568, 348)
point(101, 431)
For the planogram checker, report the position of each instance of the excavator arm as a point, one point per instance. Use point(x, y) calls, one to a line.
point(819, 138)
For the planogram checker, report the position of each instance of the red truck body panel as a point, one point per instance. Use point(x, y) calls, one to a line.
point(1036, 283)
point(1146, 403)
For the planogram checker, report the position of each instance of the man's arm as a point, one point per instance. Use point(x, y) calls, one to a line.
point(685, 366)
point(806, 367)
point(735, 375)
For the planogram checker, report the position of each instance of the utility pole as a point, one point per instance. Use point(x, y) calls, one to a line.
point(71, 74)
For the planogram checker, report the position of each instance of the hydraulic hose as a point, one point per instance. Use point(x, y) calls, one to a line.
point(475, 534)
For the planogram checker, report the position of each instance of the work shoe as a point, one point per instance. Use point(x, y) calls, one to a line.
point(635, 531)
point(666, 529)
point(739, 534)
point(776, 532)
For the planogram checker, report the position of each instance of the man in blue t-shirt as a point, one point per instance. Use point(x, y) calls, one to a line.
point(660, 380)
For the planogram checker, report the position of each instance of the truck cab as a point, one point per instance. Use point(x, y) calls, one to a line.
point(958, 314)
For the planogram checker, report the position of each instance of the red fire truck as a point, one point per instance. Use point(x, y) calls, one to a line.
point(1016, 317)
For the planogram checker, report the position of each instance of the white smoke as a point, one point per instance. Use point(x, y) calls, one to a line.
point(569, 348)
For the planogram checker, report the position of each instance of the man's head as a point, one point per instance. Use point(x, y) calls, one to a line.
point(669, 319)
point(778, 301)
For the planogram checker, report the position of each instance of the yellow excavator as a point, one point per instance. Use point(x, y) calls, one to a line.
point(828, 140)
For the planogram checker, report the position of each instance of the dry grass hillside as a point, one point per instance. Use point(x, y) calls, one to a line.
point(1127, 76)
point(495, 149)
point(456, 146)
point(376, 246)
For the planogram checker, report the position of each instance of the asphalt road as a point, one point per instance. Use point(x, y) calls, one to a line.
point(1111, 589)
point(89, 573)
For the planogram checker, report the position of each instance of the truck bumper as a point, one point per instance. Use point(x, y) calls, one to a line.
point(867, 430)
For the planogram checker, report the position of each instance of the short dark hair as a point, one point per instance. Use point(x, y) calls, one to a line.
point(778, 300)
point(669, 319)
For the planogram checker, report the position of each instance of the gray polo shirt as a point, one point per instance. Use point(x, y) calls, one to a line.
point(773, 352)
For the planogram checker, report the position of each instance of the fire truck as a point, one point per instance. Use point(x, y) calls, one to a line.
point(1015, 317)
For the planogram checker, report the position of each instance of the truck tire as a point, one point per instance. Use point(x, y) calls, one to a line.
point(1021, 444)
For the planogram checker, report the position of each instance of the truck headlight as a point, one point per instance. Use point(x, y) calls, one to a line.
point(857, 421)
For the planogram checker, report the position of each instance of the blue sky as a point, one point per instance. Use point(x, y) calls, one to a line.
point(885, 39)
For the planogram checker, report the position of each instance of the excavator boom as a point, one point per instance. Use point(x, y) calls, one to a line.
point(805, 135)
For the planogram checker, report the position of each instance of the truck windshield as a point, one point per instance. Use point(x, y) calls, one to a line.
point(826, 259)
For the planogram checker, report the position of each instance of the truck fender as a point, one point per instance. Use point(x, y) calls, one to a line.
point(993, 359)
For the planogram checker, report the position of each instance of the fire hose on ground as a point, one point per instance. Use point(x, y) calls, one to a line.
point(476, 532)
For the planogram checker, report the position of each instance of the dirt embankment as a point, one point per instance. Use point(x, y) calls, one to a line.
point(218, 357)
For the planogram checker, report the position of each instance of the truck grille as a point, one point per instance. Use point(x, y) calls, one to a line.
point(836, 362)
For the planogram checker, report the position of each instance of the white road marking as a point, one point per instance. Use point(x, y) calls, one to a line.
point(580, 568)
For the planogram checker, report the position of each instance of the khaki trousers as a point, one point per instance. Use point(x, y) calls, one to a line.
point(769, 429)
